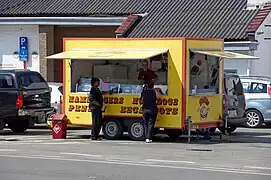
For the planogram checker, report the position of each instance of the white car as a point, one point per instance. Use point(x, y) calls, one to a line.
point(56, 94)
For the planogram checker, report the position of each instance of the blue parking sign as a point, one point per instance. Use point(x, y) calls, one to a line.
point(23, 43)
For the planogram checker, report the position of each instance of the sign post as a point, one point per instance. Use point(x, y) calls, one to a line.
point(23, 55)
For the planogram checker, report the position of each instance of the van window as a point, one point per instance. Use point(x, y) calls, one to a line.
point(239, 87)
point(258, 88)
point(31, 80)
point(6, 81)
point(60, 88)
point(233, 84)
point(246, 87)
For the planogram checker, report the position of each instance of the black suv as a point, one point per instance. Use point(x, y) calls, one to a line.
point(24, 99)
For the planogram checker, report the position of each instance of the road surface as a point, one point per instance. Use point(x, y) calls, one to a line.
point(34, 155)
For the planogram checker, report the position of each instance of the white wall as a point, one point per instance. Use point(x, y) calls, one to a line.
point(9, 43)
point(241, 65)
point(263, 36)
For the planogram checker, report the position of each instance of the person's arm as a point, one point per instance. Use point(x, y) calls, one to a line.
point(92, 98)
point(140, 77)
point(154, 76)
point(157, 93)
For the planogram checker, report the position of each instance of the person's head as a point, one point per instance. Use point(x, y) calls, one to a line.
point(145, 64)
point(150, 85)
point(95, 82)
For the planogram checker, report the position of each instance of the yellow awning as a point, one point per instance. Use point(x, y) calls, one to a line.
point(226, 54)
point(109, 54)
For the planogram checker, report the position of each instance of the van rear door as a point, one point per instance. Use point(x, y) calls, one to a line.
point(235, 95)
point(35, 90)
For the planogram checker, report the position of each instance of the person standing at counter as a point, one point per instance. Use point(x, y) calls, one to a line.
point(146, 75)
point(96, 106)
point(149, 109)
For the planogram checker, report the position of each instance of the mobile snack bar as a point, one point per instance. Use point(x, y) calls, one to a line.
point(190, 81)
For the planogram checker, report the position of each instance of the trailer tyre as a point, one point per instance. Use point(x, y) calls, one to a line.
point(174, 134)
point(112, 129)
point(230, 129)
point(2, 124)
point(19, 126)
point(136, 130)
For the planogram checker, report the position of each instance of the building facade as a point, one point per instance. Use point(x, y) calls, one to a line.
point(10, 46)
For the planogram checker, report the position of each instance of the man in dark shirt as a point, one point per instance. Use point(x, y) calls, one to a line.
point(96, 105)
point(146, 75)
point(150, 109)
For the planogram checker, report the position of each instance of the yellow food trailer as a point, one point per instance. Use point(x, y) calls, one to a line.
point(190, 80)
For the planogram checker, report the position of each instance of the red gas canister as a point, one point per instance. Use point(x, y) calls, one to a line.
point(59, 126)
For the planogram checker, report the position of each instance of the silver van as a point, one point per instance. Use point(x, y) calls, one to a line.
point(234, 104)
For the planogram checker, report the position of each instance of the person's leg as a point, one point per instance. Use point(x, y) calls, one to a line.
point(99, 123)
point(94, 124)
point(151, 123)
point(145, 124)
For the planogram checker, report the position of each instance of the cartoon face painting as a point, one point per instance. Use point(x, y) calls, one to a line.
point(204, 109)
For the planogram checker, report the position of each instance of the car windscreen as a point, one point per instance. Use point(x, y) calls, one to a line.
point(31, 80)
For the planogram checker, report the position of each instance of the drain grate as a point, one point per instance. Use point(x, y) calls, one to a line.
point(205, 150)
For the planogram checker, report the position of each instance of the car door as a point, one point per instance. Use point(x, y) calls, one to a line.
point(8, 96)
point(260, 98)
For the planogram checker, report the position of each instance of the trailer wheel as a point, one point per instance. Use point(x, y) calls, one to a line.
point(112, 129)
point(212, 129)
point(174, 134)
point(2, 124)
point(136, 130)
point(230, 129)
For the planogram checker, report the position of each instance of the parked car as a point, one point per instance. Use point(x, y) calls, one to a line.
point(56, 94)
point(258, 99)
point(24, 99)
point(233, 102)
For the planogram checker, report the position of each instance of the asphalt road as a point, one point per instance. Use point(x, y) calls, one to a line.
point(34, 155)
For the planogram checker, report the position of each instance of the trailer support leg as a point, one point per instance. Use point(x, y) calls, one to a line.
point(189, 121)
point(226, 136)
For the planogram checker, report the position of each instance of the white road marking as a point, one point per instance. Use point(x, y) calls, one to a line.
point(45, 156)
point(80, 154)
point(210, 169)
point(170, 161)
point(257, 167)
point(8, 150)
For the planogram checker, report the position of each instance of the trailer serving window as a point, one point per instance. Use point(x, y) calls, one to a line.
point(204, 70)
point(117, 69)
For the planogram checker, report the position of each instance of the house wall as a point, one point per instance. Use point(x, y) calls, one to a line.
point(262, 67)
point(61, 32)
point(241, 66)
point(9, 43)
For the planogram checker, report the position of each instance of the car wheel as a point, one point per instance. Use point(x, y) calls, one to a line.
point(174, 134)
point(230, 129)
point(136, 130)
point(19, 126)
point(254, 119)
point(113, 129)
